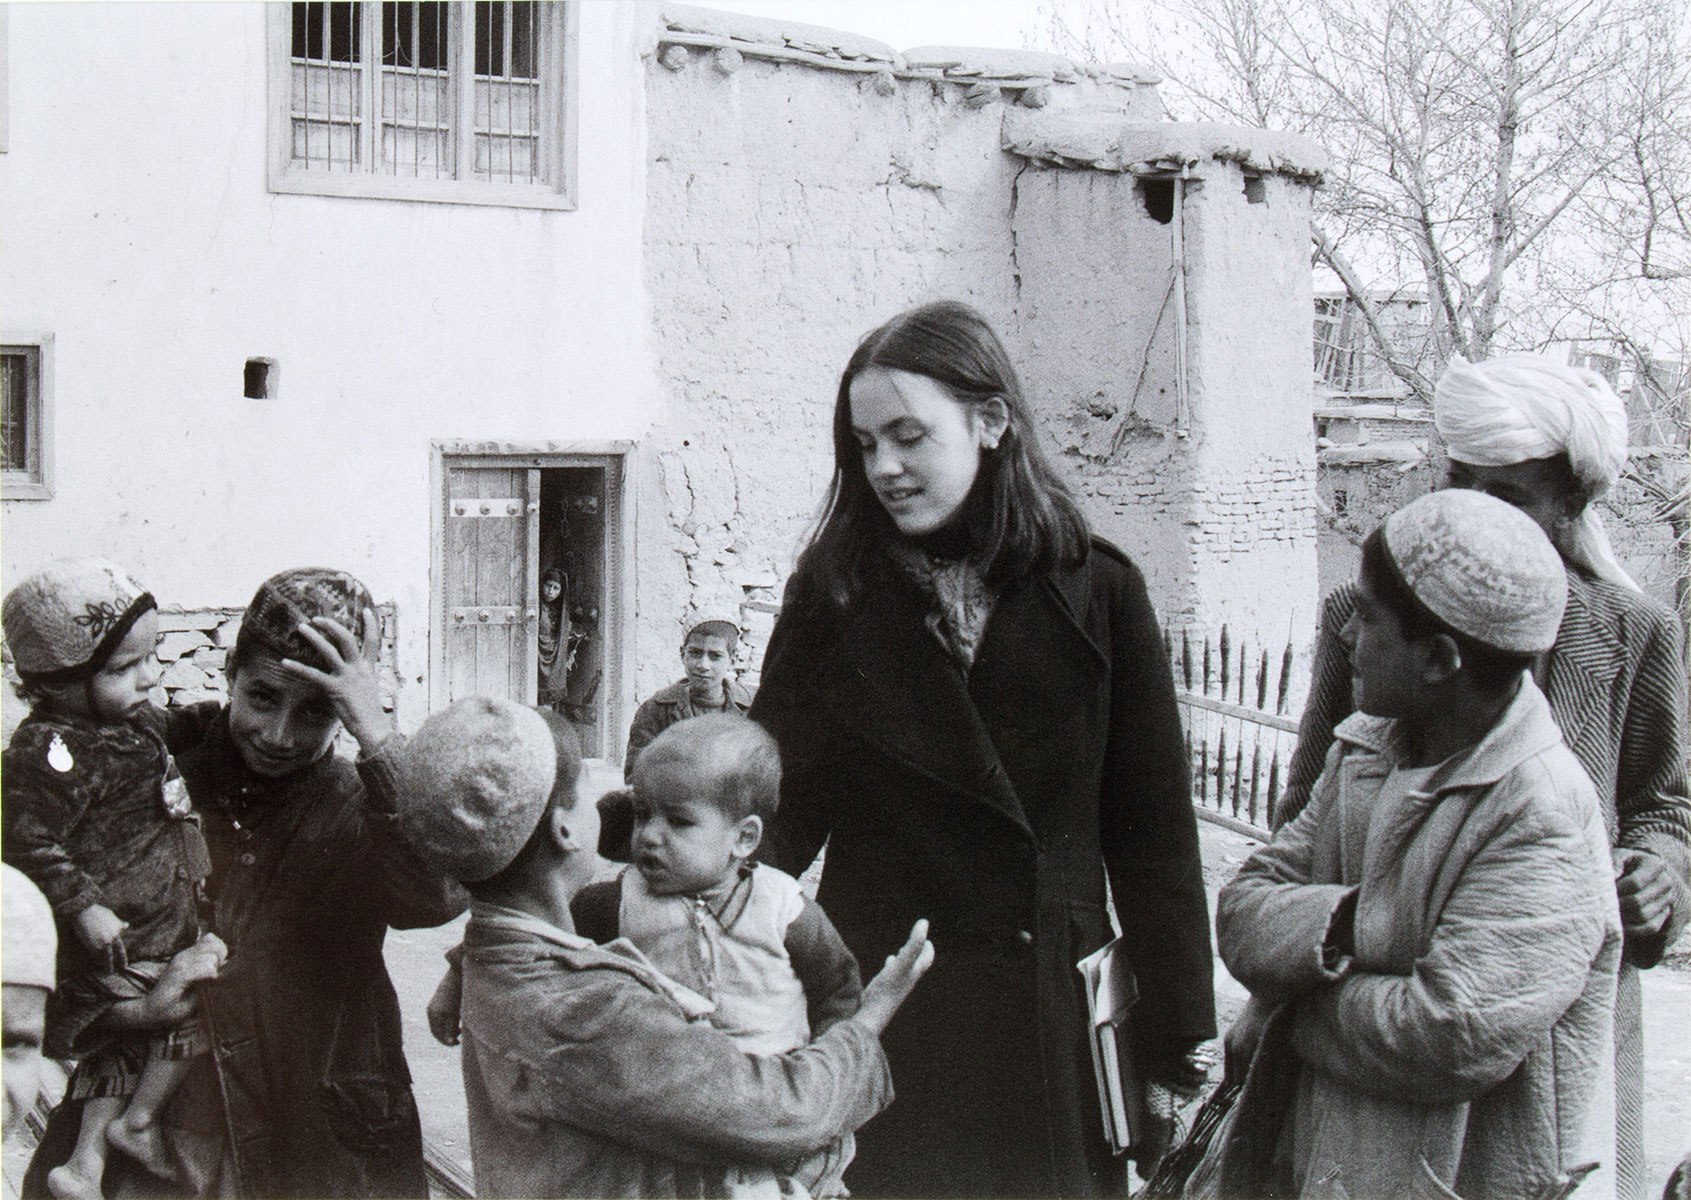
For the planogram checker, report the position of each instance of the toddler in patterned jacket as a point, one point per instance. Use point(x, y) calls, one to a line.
point(98, 818)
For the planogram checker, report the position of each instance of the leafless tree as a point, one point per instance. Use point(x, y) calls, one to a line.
point(1480, 148)
point(1522, 166)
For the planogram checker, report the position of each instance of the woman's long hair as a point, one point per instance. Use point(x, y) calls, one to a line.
point(1019, 518)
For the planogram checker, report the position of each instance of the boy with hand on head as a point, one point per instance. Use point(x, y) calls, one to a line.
point(709, 686)
point(1431, 945)
point(306, 1091)
point(310, 869)
point(97, 816)
point(588, 1072)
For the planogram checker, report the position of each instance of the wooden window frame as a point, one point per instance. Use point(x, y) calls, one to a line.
point(36, 483)
point(556, 62)
point(616, 459)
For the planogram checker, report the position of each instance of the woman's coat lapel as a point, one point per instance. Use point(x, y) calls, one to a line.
point(902, 694)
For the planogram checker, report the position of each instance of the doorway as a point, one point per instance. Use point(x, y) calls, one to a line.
point(529, 600)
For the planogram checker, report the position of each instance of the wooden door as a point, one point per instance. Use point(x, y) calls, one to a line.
point(490, 598)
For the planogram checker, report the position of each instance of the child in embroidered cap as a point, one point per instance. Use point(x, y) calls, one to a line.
point(1431, 945)
point(770, 966)
point(305, 1091)
point(98, 817)
point(709, 686)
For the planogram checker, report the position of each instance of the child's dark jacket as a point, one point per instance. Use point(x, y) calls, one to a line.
point(308, 874)
point(94, 814)
point(667, 706)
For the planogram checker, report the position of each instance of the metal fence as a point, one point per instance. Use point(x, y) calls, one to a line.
point(1239, 738)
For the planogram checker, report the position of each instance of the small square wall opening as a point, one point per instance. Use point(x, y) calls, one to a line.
point(259, 379)
point(1256, 191)
point(1157, 195)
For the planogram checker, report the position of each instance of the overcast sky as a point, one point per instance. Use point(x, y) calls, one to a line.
point(905, 24)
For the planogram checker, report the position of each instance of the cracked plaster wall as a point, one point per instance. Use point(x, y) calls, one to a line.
point(791, 210)
point(1209, 488)
point(1254, 520)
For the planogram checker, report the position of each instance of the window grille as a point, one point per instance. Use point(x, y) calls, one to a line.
point(24, 451)
point(444, 91)
point(507, 91)
point(327, 112)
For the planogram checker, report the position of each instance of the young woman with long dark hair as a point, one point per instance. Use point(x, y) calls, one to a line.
point(976, 715)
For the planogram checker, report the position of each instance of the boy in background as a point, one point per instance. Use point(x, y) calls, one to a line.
point(709, 686)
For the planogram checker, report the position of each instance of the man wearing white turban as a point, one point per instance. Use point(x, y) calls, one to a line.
point(1525, 408)
point(1549, 439)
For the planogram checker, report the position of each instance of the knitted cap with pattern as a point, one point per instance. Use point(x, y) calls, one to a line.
point(64, 622)
point(293, 598)
point(1481, 566)
point(475, 780)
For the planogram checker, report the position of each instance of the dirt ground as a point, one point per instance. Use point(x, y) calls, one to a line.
point(414, 958)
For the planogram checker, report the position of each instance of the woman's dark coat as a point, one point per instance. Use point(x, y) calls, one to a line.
point(994, 806)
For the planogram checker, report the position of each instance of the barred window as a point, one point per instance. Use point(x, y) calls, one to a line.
point(455, 101)
point(25, 427)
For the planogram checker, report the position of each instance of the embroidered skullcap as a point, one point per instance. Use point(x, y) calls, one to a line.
point(65, 621)
point(1481, 566)
point(1524, 406)
point(476, 777)
point(28, 941)
point(293, 598)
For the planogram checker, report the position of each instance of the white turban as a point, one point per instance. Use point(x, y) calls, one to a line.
point(28, 940)
point(1524, 406)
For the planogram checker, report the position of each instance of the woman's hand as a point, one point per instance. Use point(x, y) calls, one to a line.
point(101, 930)
point(895, 981)
point(350, 678)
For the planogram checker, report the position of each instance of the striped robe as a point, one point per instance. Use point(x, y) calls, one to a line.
point(1617, 688)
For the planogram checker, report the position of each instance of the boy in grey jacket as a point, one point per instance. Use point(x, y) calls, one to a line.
point(587, 1073)
point(1431, 945)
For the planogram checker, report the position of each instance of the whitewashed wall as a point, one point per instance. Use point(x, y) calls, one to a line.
point(139, 231)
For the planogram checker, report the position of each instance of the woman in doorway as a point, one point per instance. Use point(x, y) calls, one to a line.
point(1550, 439)
point(553, 639)
point(976, 714)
